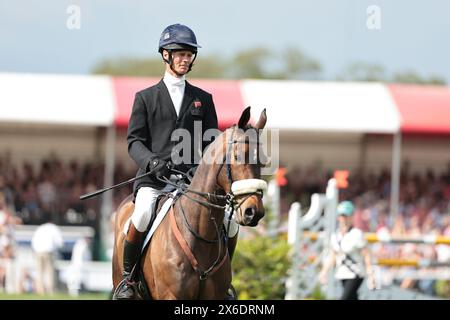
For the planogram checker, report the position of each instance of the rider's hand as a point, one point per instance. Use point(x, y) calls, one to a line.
point(191, 172)
point(159, 167)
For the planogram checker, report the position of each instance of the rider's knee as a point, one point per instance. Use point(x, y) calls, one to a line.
point(232, 229)
point(143, 208)
point(140, 221)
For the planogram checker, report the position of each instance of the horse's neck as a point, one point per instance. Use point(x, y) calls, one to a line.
point(204, 179)
point(199, 216)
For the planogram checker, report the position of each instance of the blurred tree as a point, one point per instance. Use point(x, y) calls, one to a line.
point(412, 77)
point(260, 63)
point(298, 65)
point(361, 71)
point(206, 67)
point(255, 63)
point(250, 63)
point(211, 66)
point(130, 67)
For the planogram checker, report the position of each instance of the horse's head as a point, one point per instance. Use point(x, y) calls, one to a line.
point(240, 173)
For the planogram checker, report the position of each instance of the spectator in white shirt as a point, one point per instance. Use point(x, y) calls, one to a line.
point(46, 242)
point(350, 255)
point(81, 253)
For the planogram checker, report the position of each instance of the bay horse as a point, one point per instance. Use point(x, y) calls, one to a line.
point(187, 257)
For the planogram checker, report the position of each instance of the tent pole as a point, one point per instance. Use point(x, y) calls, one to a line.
point(363, 154)
point(395, 173)
point(107, 198)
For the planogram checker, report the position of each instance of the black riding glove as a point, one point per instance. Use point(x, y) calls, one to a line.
point(159, 167)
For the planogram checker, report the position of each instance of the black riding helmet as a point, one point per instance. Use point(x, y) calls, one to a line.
point(178, 37)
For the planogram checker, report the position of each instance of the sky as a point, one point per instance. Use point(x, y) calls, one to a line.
point(413, 34)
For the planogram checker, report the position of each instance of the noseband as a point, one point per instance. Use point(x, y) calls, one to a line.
point(238, 188)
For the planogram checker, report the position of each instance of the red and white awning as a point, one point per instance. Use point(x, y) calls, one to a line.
point(56, 99)
point(291, 105)
point(324, 106)
point(424, 109)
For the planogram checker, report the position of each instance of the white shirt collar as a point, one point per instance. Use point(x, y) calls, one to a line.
point(171, 81)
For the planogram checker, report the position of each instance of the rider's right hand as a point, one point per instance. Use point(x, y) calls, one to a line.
point(159, 168)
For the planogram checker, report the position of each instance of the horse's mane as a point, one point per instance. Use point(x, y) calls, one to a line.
point(245, 128)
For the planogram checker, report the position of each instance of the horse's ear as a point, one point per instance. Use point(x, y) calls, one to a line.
point(245, 117)
point(262, 120)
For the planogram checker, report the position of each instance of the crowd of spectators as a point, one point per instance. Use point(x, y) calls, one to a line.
point(424, 206)
point(54, 189)
point(33, 195)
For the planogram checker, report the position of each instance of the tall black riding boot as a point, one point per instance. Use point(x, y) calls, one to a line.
point(131, 251)
point(232, 242)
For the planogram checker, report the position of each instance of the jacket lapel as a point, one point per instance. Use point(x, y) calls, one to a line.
point(164, 98)
point(187, 99)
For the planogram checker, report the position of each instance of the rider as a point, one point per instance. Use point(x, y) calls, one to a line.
point(171, 104)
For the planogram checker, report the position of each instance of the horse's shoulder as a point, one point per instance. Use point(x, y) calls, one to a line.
point(125, 208)
point(126, 202)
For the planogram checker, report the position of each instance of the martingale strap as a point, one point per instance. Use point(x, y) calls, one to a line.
point(187, 250)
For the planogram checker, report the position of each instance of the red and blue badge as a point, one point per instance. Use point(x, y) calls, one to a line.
point(197, 111)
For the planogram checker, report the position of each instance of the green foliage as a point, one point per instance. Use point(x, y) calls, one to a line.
point(210, 67)
point(361, 71)
point(249, 63)
point(317, 294)
point(131, 67)
point(443, 288)
point(298, 65)
point(260, 63)
point(260, 268)
point(412, 77)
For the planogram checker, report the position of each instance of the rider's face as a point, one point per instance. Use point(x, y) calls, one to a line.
point(180, 61)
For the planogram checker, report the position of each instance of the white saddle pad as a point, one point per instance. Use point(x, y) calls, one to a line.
point(161, 214)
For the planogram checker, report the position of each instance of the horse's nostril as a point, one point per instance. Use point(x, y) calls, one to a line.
point(249, 213)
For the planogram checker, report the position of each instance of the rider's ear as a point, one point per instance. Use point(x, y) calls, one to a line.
point(245, 117)
point(262, 120)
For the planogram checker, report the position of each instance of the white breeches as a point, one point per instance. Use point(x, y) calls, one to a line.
point(143, 207)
